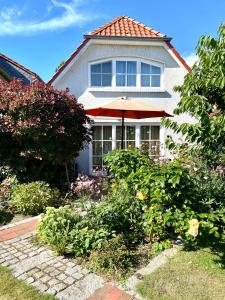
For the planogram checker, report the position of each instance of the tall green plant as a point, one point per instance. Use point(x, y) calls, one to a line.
point(203, 96)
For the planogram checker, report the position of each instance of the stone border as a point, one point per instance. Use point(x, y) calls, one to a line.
point(19, 222)
point(154, 264)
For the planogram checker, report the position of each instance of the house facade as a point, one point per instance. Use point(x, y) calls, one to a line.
point(123, 58)
point(10, 69)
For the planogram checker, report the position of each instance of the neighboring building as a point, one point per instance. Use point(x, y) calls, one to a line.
point(10, 69)
point(123, 58)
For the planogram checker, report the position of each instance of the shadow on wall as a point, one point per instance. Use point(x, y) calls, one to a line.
point(131, 95)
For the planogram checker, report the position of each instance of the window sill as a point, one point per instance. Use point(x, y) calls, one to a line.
point(127, 89)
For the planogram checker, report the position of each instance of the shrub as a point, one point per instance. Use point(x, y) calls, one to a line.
point(84, 239)
point(6, 188)
point(33, 198)
point(119, 212)
point(112, 258)
point(55, 227)
point(122, 163)
point(87, 186)
point(41, 129)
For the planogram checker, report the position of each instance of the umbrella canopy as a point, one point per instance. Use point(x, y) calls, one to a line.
point(126, 108)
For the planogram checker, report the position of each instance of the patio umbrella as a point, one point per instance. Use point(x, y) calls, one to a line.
point(124, 107)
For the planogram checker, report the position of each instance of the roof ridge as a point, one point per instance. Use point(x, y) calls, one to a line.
point(20, 66)
point(106, 25)
point(146, 27)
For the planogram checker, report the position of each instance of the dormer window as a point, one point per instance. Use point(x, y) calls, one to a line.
point(101, 74)
point(150, 75)
point(126, 75)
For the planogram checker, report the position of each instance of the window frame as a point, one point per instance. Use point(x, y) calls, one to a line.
point(137, 138)
point(138, 86)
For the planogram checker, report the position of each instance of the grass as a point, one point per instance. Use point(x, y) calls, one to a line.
point(190, 275)
point(14, 289)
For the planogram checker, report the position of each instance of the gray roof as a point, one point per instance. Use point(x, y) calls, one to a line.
point(14, 70)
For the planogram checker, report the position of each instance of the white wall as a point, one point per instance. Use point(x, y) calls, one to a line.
point(76, 79)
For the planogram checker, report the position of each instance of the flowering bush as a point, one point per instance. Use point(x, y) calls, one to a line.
point(6, 188)
point(87, 185)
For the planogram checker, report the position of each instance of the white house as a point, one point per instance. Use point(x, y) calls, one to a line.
point(123, 58)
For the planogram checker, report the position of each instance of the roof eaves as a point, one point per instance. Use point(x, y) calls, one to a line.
point(66, 63)
point(115, 37)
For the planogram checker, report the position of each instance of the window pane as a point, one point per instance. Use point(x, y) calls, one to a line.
point(118, 132)
point(131, 80)
point(97, 148)
point(107, 147)
point(131, 67)
point(106, 80)
point(120, 80)
point(107, 67)
point(121, 67)
point(107, 133)
point(155, 80)
point(155, 70)
point(97, 134)
point(97, 161)
point(154, 132)
point(96, 80)
point(130, 132)
point(154, 148)
point(145, 80)
point(130, 144)
point(96, 68)
point(145, 133)
point(145, 68)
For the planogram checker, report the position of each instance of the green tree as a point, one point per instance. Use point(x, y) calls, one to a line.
point(203, 96)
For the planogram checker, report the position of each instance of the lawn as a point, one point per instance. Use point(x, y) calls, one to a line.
point(192, 275)
point(14, 289)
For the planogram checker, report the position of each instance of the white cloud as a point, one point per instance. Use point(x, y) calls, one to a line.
point(13, 22)
point(191, 59)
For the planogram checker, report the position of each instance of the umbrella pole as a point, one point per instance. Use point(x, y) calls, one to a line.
point(122, 139)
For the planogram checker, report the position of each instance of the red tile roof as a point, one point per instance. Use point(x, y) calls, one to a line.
point(121, 27)
point(126, 27)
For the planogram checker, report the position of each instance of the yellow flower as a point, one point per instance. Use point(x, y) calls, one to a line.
point(193, 227)
point(141, 196)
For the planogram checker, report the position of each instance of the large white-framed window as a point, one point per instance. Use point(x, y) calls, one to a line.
point(108, 137)
point(101, 74)
point(128, 74)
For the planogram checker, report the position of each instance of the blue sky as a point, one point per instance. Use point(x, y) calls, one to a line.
point(40, 34)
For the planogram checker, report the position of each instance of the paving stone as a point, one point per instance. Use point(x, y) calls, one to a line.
point(45, 279)
point(55, 273)
point(59, 287)
point(40, 286)
point(69, 280)
point(77, 276)
point(51, 291)
point(62, 276)
point(53, 282)
point(29, 280)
